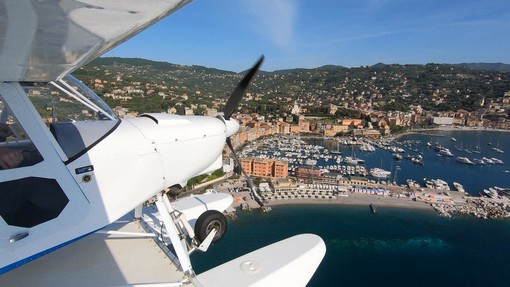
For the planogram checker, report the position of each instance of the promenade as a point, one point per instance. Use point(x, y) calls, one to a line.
point(445, 203)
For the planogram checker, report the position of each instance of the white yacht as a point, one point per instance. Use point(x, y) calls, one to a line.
point(379, 172)
point(465, 160)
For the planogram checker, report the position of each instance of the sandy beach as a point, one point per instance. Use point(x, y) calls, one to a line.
point(354, 199)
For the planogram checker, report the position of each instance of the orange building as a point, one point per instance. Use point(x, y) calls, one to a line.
point(304, 126)
point(308, 172)
point(295, 129)
point(281, 169)
point(246, 165)
point(265, 168)
point(355, 122)
point(262, 168)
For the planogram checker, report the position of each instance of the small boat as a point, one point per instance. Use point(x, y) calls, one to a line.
point(453, 139)
point(497, 150)
point(445, 152)
point(379, 172)
point(353, 160)
point(372, 208)
point(465, 160)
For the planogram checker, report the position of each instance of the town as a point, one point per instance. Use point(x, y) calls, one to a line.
point(367, 103)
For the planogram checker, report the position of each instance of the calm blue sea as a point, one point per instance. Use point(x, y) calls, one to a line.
point(394, 247)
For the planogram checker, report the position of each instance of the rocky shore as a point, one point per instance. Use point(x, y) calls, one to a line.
point(476, 206)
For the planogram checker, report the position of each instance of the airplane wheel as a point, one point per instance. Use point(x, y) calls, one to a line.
point(209, 220)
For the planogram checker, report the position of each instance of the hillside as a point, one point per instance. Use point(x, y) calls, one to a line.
point(436, 87)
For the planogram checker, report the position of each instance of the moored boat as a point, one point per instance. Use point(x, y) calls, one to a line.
point(465, 160)
point(379, 172)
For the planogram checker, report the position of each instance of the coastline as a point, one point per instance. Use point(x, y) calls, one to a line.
point(445, 204)
point(456, 128)
point(353, 199)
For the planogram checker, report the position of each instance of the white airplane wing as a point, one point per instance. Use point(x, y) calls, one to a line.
point(45, 40)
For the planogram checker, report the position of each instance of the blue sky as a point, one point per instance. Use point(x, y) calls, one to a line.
point(232, 34)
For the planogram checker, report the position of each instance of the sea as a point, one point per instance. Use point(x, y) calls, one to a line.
point(395, 246)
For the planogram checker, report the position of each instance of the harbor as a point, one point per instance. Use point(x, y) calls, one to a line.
point(353, 171)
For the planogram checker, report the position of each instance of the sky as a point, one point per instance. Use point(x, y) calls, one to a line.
point(232, 34)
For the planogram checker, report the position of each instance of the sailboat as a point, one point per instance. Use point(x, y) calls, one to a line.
point(497, 149)
point(353, 159)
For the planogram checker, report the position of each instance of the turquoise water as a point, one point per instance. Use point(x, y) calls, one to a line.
point(394, 247)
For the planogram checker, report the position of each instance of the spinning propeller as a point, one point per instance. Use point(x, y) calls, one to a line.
point(232, 103)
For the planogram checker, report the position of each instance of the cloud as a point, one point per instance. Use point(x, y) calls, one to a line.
point(275, 18)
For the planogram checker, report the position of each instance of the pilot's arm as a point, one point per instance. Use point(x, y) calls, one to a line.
point(10, 158)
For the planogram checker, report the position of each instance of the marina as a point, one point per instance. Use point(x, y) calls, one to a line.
point(372, 168)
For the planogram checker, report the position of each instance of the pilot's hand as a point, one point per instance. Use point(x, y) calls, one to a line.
point(10, 158)
point(5, 132)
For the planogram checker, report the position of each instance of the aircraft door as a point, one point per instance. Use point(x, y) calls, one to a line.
point(40, 203)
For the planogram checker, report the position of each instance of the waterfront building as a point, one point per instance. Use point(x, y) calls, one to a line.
point(285, 128)
point(332, 130)
point(447, 121)
point(304, 126)
point(354, 181)
point(246, 165)
point(368, 133)
point(295, 129)
point(262, 168)
point(311, 172)
point(265, 167)
point(281, 169)
point(353, 122)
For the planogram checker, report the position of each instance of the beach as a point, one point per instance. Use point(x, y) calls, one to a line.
point(353, 199)
point(358, 200)
point(444, 203)
point(401, 195)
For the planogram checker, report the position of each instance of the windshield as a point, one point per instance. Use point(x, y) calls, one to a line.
point(76, 116)
point(67, 100)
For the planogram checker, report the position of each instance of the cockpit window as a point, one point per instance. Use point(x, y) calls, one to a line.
point(16, 148)
point(76, 116)
point(67, 100)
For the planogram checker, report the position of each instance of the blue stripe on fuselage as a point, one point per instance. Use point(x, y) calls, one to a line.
point(17, 264)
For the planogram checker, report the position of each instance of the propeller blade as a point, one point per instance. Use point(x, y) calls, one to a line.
point(248, 179)
point(238, 93)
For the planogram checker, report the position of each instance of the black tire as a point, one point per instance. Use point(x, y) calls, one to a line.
point(209, 220)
